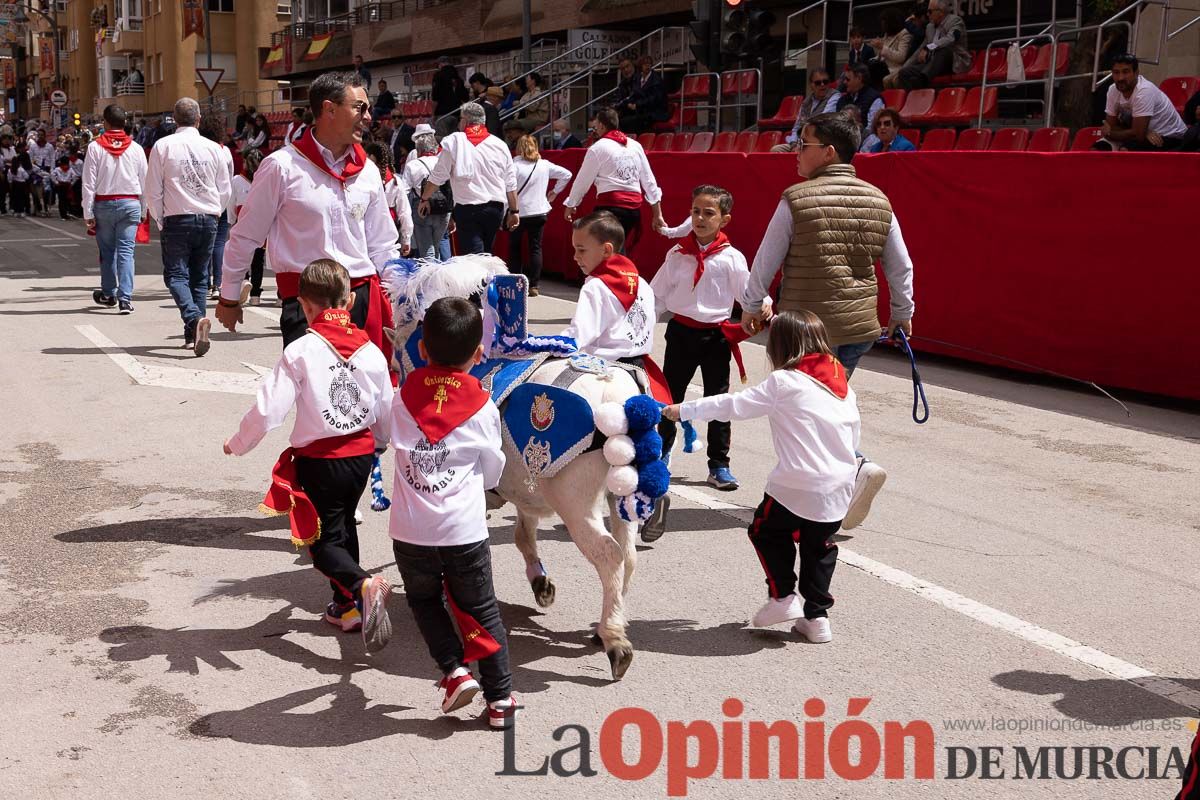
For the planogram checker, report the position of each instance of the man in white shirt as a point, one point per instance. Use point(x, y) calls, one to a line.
point(482, 179)
point(41, 154)
point(187, 188)
point(113, 173)
point(319, 197)
point(617, 165)
point(1137, 114)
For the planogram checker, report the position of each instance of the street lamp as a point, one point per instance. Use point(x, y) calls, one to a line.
point(22, 18)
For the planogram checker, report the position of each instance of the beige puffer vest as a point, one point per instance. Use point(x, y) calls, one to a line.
point(839, 227)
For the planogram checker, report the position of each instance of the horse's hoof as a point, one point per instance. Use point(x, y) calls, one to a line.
point(543, 590)
point(619, 658)
point(596, 640)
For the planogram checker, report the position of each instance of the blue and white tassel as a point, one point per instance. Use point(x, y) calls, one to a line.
point(379, 501)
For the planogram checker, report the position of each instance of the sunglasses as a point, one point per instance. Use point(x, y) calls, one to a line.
point(359, 108)
point(820, 83)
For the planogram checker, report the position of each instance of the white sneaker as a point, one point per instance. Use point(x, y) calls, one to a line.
point(784, 609)
point(358, 517)
point(815, 630)
point(867, 483)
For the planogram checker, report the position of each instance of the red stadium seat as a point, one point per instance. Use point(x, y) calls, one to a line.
point(662, 143)
point(913, 135)
point(945, 110)
point(767, 140)
point(894, 98)
point(1041, 64)
point(1049, 140)
point(699, 88)
point(1009, 139)
point(1086, 137)
point(1180, 90)
point(939, 139)
point(674, 123)
point(975, 73)
point(745, 142)
point(701, 142)
point(918, 102)
point(681, 143)
point(728, 83)
point(739, 83)
point(646, 140)
point(785, 117)
point(974, 139)
point(969, 111)
point(724, 141)
point(748, 83)
point(959, 77)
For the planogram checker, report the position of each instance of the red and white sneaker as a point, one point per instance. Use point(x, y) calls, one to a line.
point(460, 689)
point(345, 617)
point(502, 714)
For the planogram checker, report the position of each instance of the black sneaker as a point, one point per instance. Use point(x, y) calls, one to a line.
point(189, 336)
point(126, 307)
point(203, 325)
point(654, 527)
point(103, 299)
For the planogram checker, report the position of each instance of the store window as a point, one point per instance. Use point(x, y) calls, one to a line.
point(220, 5)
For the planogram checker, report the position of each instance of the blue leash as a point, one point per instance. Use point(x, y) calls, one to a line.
point(919, 400)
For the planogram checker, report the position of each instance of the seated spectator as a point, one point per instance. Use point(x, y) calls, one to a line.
point(944, 51)
point(625, 86)
point(885, 135)
point(915, 23)
point(1191, 118)
point(384, 103)
point(479, 83)
point(491, 99)
point(648, 103)
point(563, 138)
point(860, 94)
point(513, 97)
point(535, 104)
point(860, 51)
point(1137, 114)
point(893, 48)
point(821, 99)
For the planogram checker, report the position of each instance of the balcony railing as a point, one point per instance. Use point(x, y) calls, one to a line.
point(363, 15)
point(130, 23)
point(126, 88)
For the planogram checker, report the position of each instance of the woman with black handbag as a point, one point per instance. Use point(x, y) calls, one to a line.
point(534, 197)
point(427, 231)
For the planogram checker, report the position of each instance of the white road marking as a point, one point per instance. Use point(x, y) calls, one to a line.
point(72, 244)
point(171, 377)
point(59, 231)
point(1034, 634)
point(263, 312)
point(19, 273)
point(12, 241)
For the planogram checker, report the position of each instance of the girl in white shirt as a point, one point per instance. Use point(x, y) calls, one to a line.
point(397, 196)
point(534, 197)
point(815, 428)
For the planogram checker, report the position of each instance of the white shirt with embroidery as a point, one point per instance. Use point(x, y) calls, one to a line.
point(602, 327)
point(106, 174)
point(187, 174)
point(613, 167)
point(437, 494)
point(332, 396)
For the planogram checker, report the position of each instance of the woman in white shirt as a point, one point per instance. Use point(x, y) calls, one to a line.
point(534, 197)
point(427, 231)
point(393, 191)
point(237, 198)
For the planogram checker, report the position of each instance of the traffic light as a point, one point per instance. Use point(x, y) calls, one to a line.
point(704, 26)
point(759, 41)
point(746, 30)
point(733, 28)
point(78, 120)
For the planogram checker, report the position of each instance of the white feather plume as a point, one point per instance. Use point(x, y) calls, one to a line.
point(414, 285)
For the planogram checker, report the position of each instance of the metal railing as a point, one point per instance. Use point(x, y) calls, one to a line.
point(756, 97)
point(715, 104)
point(128, 88)
point(363, 15)
point(790, 55)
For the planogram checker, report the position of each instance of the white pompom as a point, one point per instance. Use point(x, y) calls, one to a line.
point(619, 451)
point(622, 480)
point(610, 419)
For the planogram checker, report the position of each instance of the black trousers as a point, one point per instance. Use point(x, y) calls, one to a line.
point(777, 534)
point(63, 192)
point(920, 76)
point(335, 486)
point(256, 273)
point(20, 197)
point(689, 349)
point(467, 570)
point(293, 325)
point(477, 226)
point(1191, 774)
point(528, 264)
point(77, 198)
point(631, 223)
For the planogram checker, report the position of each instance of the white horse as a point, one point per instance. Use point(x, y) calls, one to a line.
point(577, 493)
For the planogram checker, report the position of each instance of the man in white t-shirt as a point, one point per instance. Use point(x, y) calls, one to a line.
point(1137, 114)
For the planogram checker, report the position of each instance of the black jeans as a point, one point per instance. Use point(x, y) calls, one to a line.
point(777, 534)
point(631, 223)
point(529, 265)
point(335, 486)
point(63, 192)
point(687, 350)
point(467, 570)
point(256, 272)
point(293, 325)
point(477, 226)
point(20, 197)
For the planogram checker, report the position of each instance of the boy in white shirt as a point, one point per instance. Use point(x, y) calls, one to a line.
point(338, 382)
point(698, 283)
point(446, 435)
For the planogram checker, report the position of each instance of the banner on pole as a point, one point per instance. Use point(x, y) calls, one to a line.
point(193, 18)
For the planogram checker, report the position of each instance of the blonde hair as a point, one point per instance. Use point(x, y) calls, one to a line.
point(527, 148)
point(326, 283)
point(794, 335)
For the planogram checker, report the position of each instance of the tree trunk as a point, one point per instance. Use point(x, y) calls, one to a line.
point(1076, 105)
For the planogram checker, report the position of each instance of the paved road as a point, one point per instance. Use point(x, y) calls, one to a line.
point(1030, 570)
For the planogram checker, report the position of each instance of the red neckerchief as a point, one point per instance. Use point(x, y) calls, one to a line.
point(620, 275)
point(388, 175)
point(476, 134)
point(308, 147)
point(334, 326)
point(691, 247)
point(827, 371)
point(440, 399)
point(115, 142)
point(617, 137)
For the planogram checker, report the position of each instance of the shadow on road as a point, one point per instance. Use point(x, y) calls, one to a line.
point(1101, 701)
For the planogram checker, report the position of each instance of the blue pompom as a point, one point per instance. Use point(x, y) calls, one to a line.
point(643, 413)
point(654, 479)
point(647, 447)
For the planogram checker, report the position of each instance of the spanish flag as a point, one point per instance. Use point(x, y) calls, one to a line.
point(274, 55)
point(317, 46)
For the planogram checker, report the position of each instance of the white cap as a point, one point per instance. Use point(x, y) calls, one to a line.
point(422, 129)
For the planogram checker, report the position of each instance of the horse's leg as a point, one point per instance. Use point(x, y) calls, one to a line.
point(626, 534)
point(525, 536)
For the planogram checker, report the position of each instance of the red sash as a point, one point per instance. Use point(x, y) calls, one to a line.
point(286, 497)
point(307, 146)
point(620, 275)
point(692, 247)
point(477, 642)
point(732, 331)
point(620, 199)
point(827, 371)
point(659, 389)
point(476, 134)
point(440, 399)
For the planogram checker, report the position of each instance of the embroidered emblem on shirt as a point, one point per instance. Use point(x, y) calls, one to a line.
point(344, 393)
point(358, 211)
point(541, 413)
point(428, 458)
point(636, 316)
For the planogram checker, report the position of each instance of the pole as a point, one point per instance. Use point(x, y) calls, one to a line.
point(208, 49)
point(526, 35)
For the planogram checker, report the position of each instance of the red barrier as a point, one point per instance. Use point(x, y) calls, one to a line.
point(1080, 263)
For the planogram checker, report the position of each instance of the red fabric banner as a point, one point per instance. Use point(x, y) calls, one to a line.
point(1079, 263)
point(193, 18)
point(46, 51)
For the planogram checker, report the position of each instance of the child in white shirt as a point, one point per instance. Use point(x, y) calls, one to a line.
point(815, 429)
